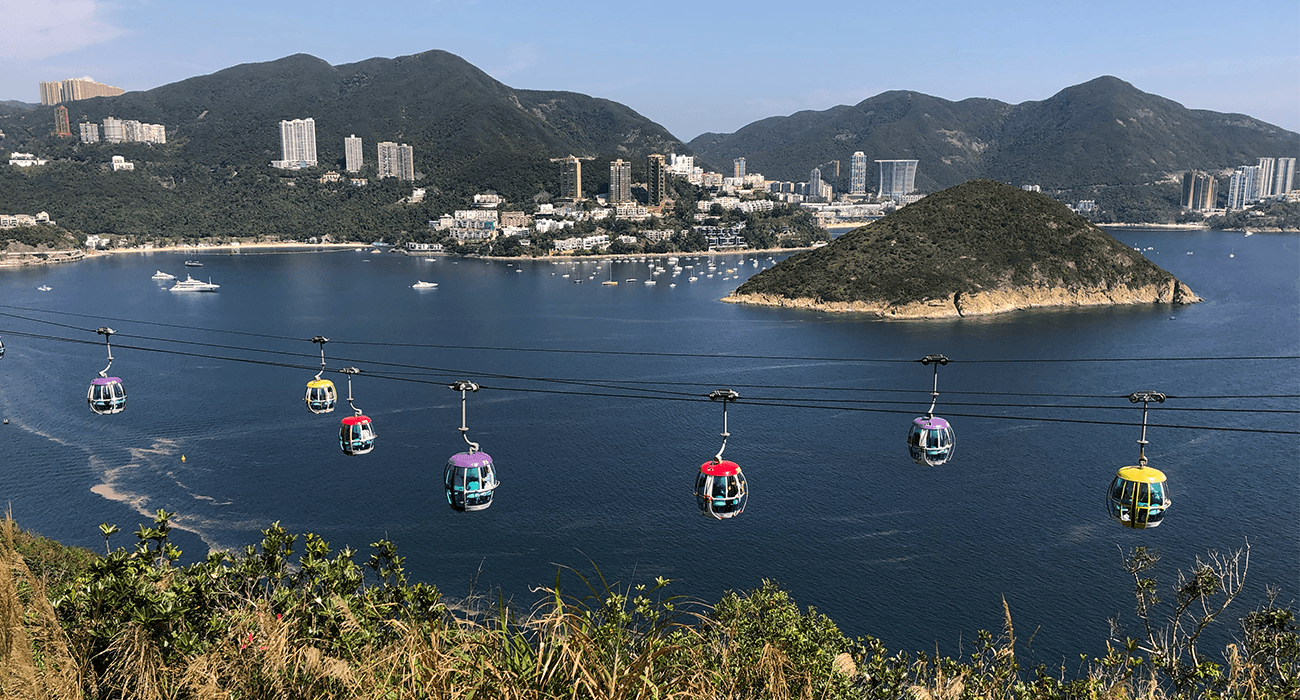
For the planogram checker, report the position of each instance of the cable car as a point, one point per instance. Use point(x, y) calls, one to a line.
point(106, 394)
point(930, 440)
point(2, 347)
point(321, 395)
point(470, 478)
point(1138, 497)
point(720, 489)
point(356, 432)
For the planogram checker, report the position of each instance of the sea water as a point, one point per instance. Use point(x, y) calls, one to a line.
point(592, 406)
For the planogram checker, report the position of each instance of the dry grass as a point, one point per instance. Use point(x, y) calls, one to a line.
point(35, 659)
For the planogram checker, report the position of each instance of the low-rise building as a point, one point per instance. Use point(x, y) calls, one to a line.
point(120, 163)
point(16, 220)
point(596, 242)
point(25, 160)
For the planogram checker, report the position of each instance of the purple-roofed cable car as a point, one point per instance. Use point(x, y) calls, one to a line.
point(470, 477)
point(930, 440)
point(106, 394)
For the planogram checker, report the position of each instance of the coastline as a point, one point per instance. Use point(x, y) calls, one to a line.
point(616, 256)
point(233, 247)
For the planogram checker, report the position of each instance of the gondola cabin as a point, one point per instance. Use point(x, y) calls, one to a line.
point(106, 395)
point(470, 478)
point(321, 396)
point(720, 490)
point(357, 435)
point(2, 347)
point(930, 441)
point(1138, 497)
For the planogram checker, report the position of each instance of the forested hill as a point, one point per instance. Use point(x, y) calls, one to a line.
point(468, 130)
point(979, 247)
point(1104, 132)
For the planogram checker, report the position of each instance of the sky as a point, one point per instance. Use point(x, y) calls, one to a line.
point(701, 66)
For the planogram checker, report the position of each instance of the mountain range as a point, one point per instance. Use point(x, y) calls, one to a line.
point(1104, 132)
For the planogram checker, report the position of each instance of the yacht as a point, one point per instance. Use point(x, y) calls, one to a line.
point(44, 288)
point(160, 275)
point(193, 263)
point(189, 284)
point(424, 285)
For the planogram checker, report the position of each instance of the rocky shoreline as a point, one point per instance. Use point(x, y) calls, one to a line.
point(986, 303)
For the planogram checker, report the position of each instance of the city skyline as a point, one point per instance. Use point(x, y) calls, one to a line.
point(1001, 52)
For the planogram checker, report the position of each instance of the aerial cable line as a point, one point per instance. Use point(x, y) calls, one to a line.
point(692, 398)
point(634, 353)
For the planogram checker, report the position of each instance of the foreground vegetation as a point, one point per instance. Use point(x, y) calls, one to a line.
point(274, 621)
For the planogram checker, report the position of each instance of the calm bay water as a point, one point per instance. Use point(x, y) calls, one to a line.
point(920, 557)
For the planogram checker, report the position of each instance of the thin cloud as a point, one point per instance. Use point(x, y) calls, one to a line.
point(37, 29)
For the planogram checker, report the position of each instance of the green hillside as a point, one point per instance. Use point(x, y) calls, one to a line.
point(976, 237)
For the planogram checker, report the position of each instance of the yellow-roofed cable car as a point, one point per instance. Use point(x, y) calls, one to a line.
point(321, 395)
point(1138, 498)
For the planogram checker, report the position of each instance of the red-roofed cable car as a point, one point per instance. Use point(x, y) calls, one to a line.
point(930, 440)
point(356, 433)
point(469, 478)
point(1138, 497)
point(720, 489)
point(106, 394)
point(321, 394)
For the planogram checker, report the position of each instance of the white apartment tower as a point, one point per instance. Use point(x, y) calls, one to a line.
point(396, 161)
point(89, 132)
point(1242, 188)
point(620, 181)
point(352, 153)
point(297, 144)
point(815, 183)
point(897, 178)
point(1284, 176)
point(738, 168)
point(858, 174)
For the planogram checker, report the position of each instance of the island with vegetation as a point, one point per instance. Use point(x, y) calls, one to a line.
point(979, 248)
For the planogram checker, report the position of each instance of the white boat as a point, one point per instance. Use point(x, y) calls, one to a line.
point(649, 281)
point(189, 284)
point(193, 263)
point(424, 285)
point(160, 275)
point(44, 288)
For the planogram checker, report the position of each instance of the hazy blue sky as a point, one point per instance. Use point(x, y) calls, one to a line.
point(697, 66)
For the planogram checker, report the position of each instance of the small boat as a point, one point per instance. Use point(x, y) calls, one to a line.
point(193, 263)
point(649, 281)
point(44, 288)
point(160, 275)
point(424, 285)
point(189, 284)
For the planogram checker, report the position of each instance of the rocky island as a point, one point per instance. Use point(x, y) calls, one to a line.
point(979, 248)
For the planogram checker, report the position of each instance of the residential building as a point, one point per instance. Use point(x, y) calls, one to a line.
point(620, 181)
point(297, 144)
point(352, 157)
point(858, 174)
point(396, 160)
point(120, 163)
point(738, 168)
point(488, 200)
point(61, 127)
point(682, 165)
point(24, 160)
point(1283, 176)
point(815, 183)
point(570, 177)
point(89, 132)
point(1264, 178)
point(897, 178)
point(113, 130)
point(1032, 188)
point(72, 89)
point(1200, 191)
point(656, 179)
point(1241, 187)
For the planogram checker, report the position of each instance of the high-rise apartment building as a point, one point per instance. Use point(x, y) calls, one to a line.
point(656, 179)
point(352, 153)
point(89, 132)
point(1283, 176)
point(1242, 188)
point(897, 178)
point(815, 183)
point(738, 168)
point(297, 144)
point(396, 160)
point(61, 127)
point(620, 182)
point(1200, 191)
point(858, 174)
point(54, 92)
point(570, 177)
point(1264, 178)
point(113, 130)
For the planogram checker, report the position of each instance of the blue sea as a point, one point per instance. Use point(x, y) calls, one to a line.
point(592, 407)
